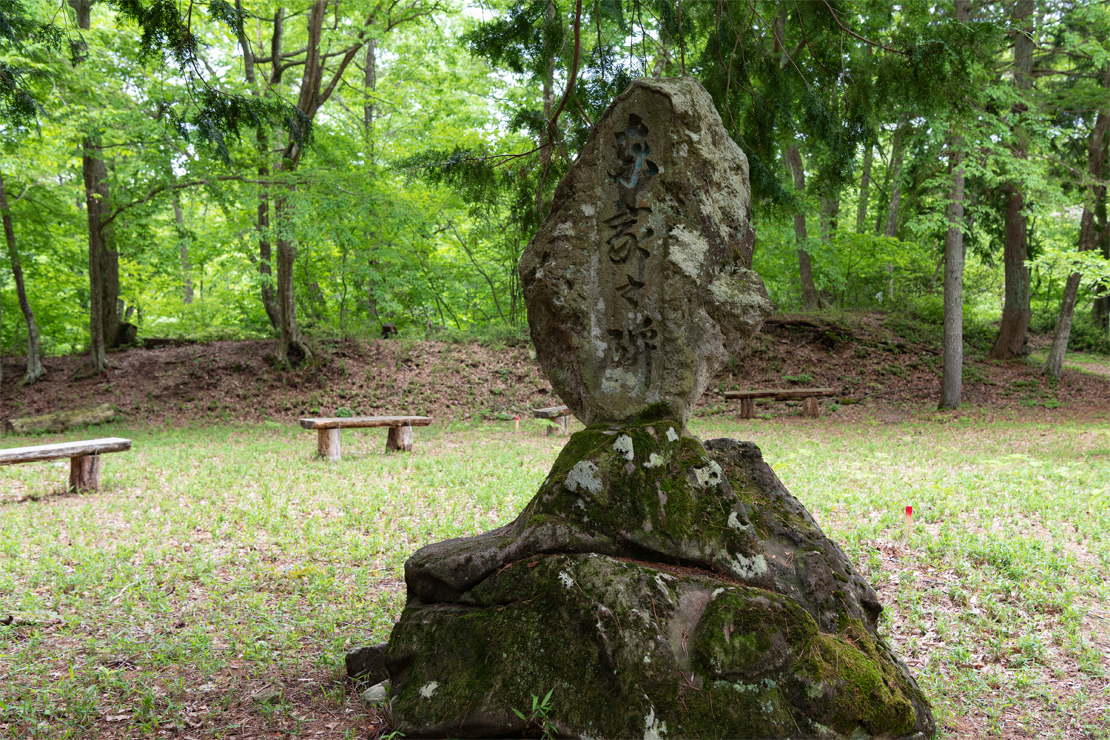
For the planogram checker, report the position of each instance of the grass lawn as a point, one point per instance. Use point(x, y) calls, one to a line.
point(214, 584)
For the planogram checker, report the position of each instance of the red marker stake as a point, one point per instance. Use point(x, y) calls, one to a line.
point(516, 421)
point(909, 519)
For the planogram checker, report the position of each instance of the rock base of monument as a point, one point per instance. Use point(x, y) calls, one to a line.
point(660, 588)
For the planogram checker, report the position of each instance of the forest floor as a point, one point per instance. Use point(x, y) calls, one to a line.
point(221, 560)
point(884, 366)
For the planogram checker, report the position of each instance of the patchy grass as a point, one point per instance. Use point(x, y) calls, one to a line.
point(220, 562)
point(1084, 362)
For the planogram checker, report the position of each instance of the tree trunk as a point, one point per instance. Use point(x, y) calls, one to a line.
point(34, 363)
point(186, 268)
point(262, 220)
point(952, 379)
point(864, 188)
point(810, 299)
point(1088, 239)
point(951, 387)
point(891, 230)
point(371, 82)
point(1016, 310)
point(94, 172)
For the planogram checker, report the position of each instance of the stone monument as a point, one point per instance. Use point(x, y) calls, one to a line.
point(658, 586)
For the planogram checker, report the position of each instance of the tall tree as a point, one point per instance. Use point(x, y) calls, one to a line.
point(1016, 310)
point(328, 50)
point(35, 369)
point(810, 299)
point(1088, 236)
point(951, 386)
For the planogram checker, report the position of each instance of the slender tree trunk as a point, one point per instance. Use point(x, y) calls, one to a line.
point(371, 82)
point(94, 173)
point(810, 299)
point(262, 145)
point(1100, 311)
point(186, 268)
point(103, 290)
point(1016, 310)
point(896, 157)
point(864, 188)
point(951, 387)
point(952, 379)
point(1088, 238)
point(891, 230)
point(34, 363)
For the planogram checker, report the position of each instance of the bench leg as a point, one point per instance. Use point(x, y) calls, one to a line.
point(747, 408)
point(565, 422)
point(327, 443)
point(84, 473)
point(811, 407)
point(400, 438)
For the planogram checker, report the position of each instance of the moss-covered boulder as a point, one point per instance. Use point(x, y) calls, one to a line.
point(663, 588)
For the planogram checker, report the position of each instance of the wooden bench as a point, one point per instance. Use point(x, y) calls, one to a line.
point(84, 458)
point(809, 397)
point(400, 431)
point(558, 414)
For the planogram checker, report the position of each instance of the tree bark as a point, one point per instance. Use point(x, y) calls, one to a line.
point(371, 82)
point(896, 157)
point(810, 299)
point(952, 378)
point(864, 188)
point(94, 174)
point(262, 142)
point(1016, 310)
point(951, 386)
point(34, 362)
point(186, 268)
point(891, 230)
point(1088, 239)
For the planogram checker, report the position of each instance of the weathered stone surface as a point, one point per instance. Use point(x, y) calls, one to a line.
point(367, 662)
point(661, 586)
point(637, 283)
point(375, 695)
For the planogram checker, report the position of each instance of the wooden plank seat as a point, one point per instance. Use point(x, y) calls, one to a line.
point(399, 437)
point(558, 414)
point(808, 396)
point(84, 458)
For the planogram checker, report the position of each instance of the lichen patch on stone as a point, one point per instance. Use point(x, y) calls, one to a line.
point(655, 460)
point(751, 567)
point(672, 435)
point(583, 475)
point(623, 446)
point(710, 475)
point(429, 689)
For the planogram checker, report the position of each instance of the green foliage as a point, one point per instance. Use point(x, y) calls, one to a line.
point(540, 715)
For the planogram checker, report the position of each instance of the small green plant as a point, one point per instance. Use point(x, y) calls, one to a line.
point(803, 378)
point(344, 412)
point(539, 718)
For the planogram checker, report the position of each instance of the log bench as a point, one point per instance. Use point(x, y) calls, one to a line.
point(84, 458)
point(558, 414)
point(399, 438)
point(808, 396)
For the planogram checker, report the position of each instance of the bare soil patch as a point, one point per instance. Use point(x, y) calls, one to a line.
point(886, 371)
